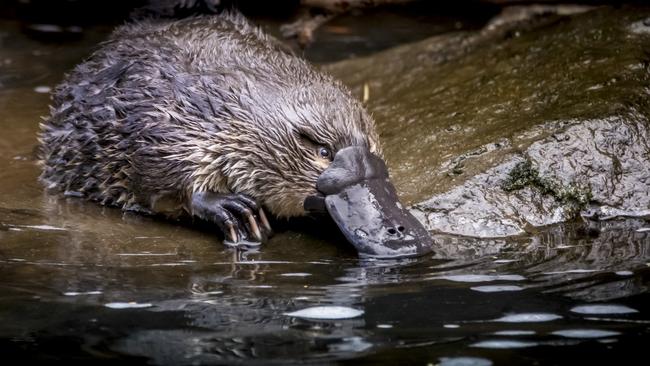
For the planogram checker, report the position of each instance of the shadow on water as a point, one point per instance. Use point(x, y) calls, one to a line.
point(82, 282)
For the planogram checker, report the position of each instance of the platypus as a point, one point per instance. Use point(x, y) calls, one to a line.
point(210, 117)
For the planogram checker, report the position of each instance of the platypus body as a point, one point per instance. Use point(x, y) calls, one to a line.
point(209, 117)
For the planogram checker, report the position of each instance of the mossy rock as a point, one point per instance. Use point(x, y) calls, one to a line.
point(567, 94)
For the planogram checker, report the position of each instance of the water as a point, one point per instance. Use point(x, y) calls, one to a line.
point(87, 283)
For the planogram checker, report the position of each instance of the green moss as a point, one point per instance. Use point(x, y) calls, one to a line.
point(574, 197)
point(522, 175)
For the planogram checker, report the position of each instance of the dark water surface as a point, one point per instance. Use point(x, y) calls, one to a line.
point(84, 283)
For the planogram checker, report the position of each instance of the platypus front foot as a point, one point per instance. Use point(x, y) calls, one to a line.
point(239, 217)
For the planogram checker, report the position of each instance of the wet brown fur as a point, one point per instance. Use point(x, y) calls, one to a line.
point(167, 108)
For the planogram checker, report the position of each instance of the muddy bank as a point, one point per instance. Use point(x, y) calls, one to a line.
point(538, 118)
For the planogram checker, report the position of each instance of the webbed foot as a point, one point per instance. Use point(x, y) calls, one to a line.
point(239, 217)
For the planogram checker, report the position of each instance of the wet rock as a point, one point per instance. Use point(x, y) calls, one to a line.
point(599, 168)
point(531, 121)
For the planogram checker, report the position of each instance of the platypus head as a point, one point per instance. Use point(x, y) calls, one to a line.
point(310, 147)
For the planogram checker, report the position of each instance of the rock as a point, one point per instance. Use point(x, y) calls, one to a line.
point(530, 121)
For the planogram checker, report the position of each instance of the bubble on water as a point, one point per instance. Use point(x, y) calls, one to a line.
point(350, 344)
point(480, 278)
point(42, 227)
point(451, 326)
point(496, 288)
point(585, 333)
point(515, 332)
point(571, 271)
point(259, 286)
point(384, 326)
point(326, 312)
point(528, 318)
point(42, 89)
point(74, 293)
point(503, 344)
point(211, 302)
point(209, 293)
point(296, 274)
point(603, 309)
point(608, 340)
point(464, 361)
point(127, 305)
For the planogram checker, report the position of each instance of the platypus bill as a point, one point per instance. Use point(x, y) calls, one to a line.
point(208, 116)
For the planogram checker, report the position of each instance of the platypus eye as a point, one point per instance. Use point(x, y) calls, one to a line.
point(324, 153)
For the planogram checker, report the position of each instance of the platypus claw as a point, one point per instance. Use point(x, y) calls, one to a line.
point(265, 222)
point(235, 215)
point(233, 233)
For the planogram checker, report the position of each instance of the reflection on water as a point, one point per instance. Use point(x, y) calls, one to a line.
point(87, 282)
